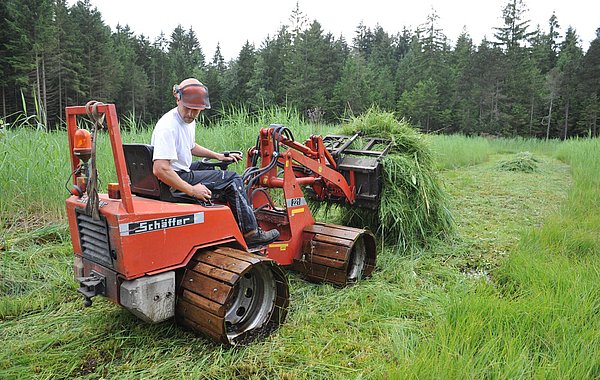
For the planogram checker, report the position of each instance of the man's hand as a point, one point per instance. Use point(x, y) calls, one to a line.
point(162, 169)
point(201, 192)
point(233, 156)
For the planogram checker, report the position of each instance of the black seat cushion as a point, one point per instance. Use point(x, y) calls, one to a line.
point(138, 159)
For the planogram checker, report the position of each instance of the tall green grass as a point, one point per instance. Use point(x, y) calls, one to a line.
point(538, 318)
point(521, 144)
point(454, 151)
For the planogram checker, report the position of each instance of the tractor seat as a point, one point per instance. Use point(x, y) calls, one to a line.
point(138, 158)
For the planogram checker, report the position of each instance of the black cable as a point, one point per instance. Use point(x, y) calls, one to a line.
point(269, 200)
point(252, 174)
point(69, 179)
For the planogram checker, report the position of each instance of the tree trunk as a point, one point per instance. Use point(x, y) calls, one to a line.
point(60, 102)
point(3, 102)
point(37, 98)
point(531, 115)
point(480, 111)
point(495, 102)
point(549, 119)
point(44, 96)
point(566, 126)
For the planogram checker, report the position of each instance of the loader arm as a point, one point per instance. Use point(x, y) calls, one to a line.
point(335, 182)
point(322, 174)
point(329, 253)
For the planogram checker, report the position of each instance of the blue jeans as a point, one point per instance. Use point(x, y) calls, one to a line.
point(225, 186)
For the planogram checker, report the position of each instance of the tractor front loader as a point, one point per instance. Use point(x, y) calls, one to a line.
point(160, 254)
point(323, 169)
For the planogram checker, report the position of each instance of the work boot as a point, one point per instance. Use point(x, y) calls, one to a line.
point(261, 237)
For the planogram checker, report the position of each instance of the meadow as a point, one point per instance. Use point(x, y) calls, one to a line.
point(513, 294)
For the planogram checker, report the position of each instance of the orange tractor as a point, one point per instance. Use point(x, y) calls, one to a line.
point(161, 254)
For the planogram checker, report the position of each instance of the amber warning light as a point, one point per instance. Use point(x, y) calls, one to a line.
point(82, 149)
point(82, 142)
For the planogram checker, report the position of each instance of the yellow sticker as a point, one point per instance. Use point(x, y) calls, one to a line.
point(320, 169)
point(297, 211)
point(281, 246)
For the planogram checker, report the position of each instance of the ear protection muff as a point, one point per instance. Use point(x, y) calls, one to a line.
point(177, 93)
point(76, 190)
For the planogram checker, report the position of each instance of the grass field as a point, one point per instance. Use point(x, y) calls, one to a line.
point(514, 295)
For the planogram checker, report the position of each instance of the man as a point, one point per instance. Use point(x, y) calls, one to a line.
point(174, 145)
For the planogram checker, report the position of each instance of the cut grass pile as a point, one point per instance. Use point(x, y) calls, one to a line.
point(413, 204)
point(520, 162)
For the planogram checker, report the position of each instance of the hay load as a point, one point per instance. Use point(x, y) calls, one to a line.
point(414, 206)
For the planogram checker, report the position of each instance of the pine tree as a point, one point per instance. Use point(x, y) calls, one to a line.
point(421, 104)
point(131, 79)
point(313, 69)
point(351, 92)
point(240, 74)
point(426, 67)
point(215, 74)
point(514, 32)
point(185, 55)
point(569, 63)
point(463, 102)
point(30, 27)
point(590, 87)
point(269, 73)
point(65, 64)
point(363, 41)
point(487, 75)
point(93, 47)
point(520, 76)
point(381, 68)
point(4, 65)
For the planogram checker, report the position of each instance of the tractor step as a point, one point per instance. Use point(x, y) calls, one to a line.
point(337, 255)
point(231, 296)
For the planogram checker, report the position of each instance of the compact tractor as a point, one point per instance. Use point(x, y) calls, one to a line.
point(161, 254)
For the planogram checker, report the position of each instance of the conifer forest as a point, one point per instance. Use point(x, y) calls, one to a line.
point(526, 80)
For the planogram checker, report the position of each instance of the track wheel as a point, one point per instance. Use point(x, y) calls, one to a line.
point(337, 255)
point(231, 296)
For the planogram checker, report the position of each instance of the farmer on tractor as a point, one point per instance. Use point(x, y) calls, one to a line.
point(174, 145)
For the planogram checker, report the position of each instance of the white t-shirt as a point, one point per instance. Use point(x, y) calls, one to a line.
point(173, 140)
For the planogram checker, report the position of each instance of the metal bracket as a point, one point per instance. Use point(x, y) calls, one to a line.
point(91, 286)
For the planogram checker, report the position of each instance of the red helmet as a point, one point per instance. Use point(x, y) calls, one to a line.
point(192, 94)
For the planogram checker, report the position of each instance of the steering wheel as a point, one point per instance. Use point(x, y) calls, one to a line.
point(214, 163)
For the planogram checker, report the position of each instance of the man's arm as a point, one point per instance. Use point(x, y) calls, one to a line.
point(200, 151)
point(162, 169)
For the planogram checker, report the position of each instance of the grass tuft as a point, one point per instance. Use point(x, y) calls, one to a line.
point(521, 162)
